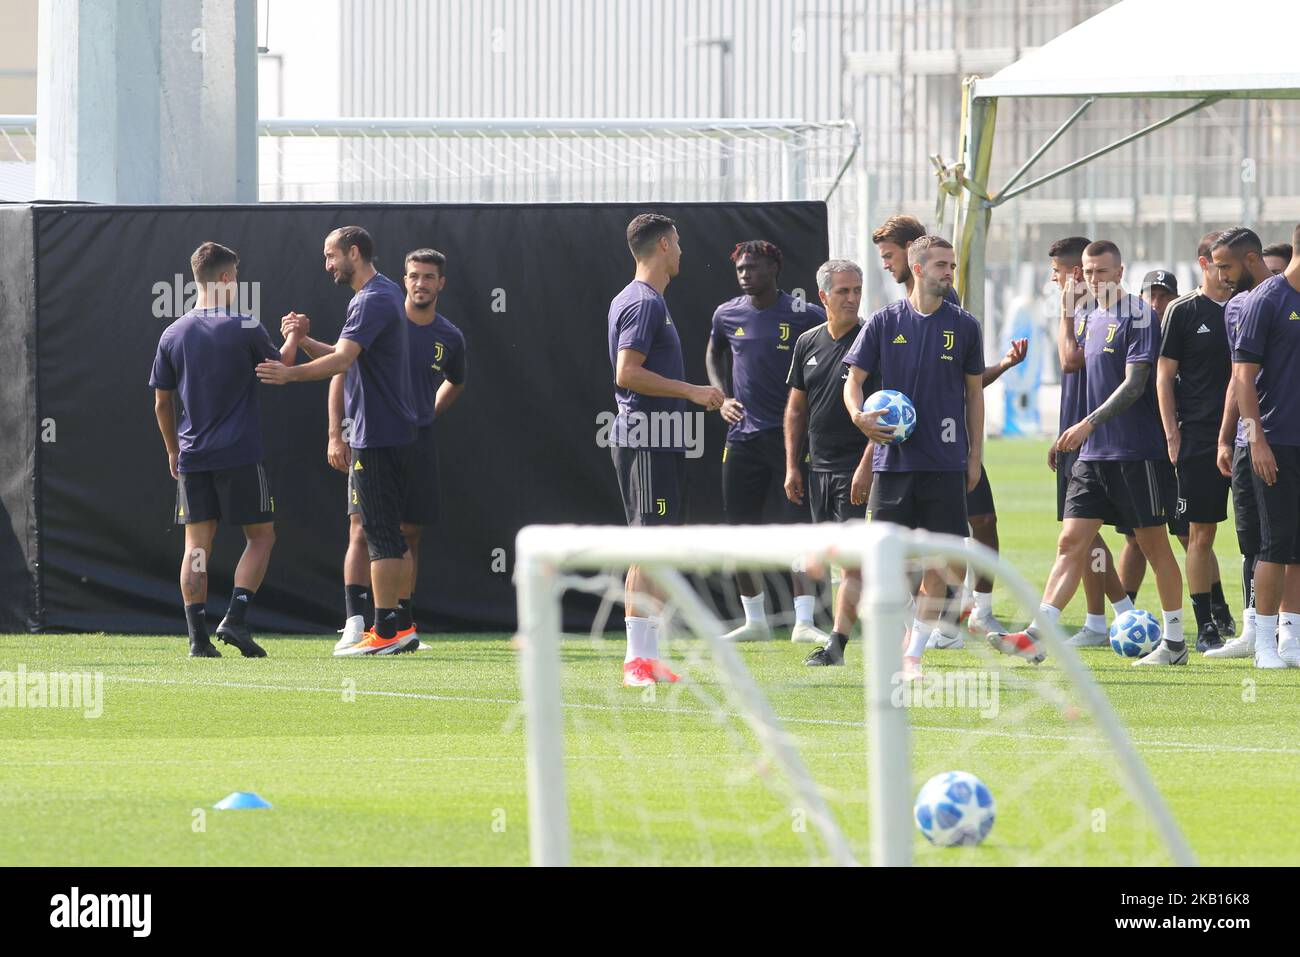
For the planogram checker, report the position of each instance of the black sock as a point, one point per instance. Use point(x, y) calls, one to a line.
point(1132, 596)
point(405, 617)
point(1201, 608)
point(356, 601)
point(240, 599)
point(839, 641)
point(1217, 598)
point(196, 621)
point(386, 622)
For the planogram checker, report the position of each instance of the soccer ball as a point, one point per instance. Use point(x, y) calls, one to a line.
point(899, 412)
point(954, 809)
point(1135, 633)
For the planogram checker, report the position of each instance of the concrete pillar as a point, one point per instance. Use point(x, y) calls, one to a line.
point(147, 101)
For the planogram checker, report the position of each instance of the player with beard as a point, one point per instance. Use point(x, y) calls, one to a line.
point(1265, 356)
point(437, 350)
point(1238, 257)
point(1066, 256)
point(1117, 476)
point(892, 240)
point(1191, 381)
point(373, 350)
point(930, 350)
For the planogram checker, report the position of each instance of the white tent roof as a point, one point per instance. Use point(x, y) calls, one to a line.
point(1166, 48)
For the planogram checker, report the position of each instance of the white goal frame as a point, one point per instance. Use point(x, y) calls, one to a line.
point(545, 553)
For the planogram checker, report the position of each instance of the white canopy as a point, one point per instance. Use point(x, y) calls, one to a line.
point(1248, 49)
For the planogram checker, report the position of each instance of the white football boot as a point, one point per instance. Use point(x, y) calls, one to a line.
point(353, 631)
point(1266, 655)
point(1086, 637)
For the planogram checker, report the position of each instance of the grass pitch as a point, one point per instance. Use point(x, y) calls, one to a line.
point(420, 759)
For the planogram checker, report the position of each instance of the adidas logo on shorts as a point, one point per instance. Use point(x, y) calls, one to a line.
point(1204, 328)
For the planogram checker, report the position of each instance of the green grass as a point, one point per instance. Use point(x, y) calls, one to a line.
point(420, 759)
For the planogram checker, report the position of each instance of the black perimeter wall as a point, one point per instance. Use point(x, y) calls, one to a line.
point(87, 541)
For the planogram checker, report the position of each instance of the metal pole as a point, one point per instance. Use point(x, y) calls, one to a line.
point(889, 770)
point(539, 628)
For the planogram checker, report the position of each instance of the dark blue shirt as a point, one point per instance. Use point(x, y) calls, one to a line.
point(1232, 323)
point(1270, 329)
point(437, 356)
point(377, 387)
point(639, 320)
point(927, 358)
point(1074, 387)
point(208, 357)
point(761, 343)
point(1123, 335)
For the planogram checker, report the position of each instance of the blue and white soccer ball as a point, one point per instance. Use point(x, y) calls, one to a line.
point(899, 412)
point(1135, 633)
point(954, 809)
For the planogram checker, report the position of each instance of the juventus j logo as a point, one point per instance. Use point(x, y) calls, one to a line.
point(437, 352)
point(785, 331)
point(661, 506)
point(949, 338)
point(1110, 330)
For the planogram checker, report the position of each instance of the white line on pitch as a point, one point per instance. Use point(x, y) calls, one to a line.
point(514, 702)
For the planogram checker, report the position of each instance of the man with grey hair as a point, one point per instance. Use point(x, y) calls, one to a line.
point(932, 351)
point(839, 477)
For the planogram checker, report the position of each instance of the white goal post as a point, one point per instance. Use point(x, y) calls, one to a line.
point(547, 558)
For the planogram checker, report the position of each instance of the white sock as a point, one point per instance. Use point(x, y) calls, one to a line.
point(1174, 625)
point(1248, 629)
point(803, 608)
point(1095, 623)
point(642, 639)
point(754, 608)
point(1266, 631)
point(1045, 614)
point(1121, 606)
point(920, 635)
point(983, 602)
point(1285, 627)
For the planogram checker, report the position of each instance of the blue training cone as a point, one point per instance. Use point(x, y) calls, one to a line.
point(240, 800)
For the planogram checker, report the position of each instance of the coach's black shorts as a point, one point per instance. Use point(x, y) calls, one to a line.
point(1124, 494)
point(653, 485)
point(828, 493)
point(1064, 465)
point(1279, 509)
point(1244, 506)
point(933, 501)
point(753, 471)
point(979, 500)
point(1202, 493)
point(377, 482)
point(422, 502)
point(237, 496)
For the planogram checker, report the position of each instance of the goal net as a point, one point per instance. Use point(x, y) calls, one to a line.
point(752, 758)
